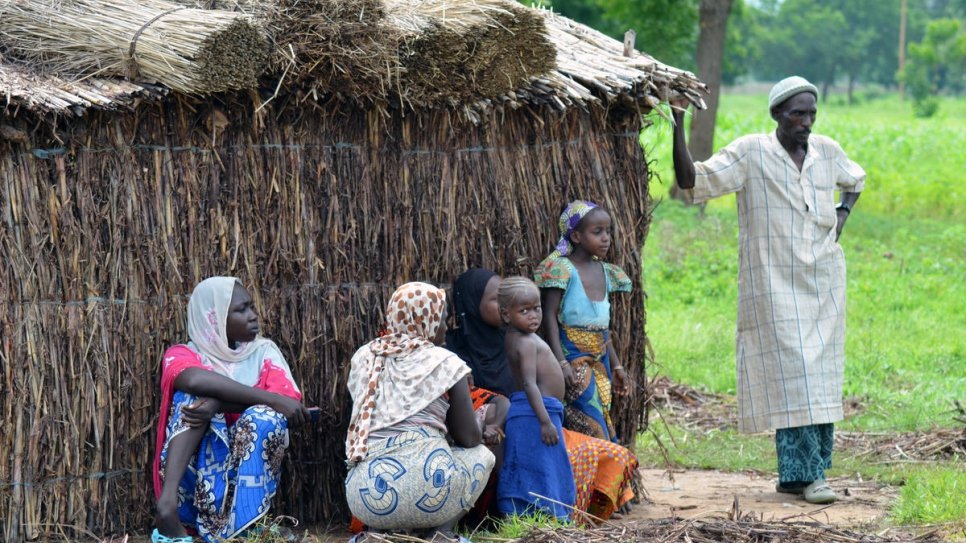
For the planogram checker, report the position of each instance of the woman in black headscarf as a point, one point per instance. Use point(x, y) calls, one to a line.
point(478, 335)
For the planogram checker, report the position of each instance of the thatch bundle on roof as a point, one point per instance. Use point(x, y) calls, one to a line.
point(342, 47)
point(424, 52)
point(451, 51)
point(189, 50)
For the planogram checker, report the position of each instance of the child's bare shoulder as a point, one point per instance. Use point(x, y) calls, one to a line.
point(521, 343)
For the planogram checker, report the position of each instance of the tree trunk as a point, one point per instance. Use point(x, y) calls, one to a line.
point(902, 48)
point(713, 17)
point(711, 44)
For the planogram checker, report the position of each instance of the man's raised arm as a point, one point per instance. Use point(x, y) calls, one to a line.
point(683, 164)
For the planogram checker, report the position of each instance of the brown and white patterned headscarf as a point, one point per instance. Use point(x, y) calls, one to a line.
point(397, 375)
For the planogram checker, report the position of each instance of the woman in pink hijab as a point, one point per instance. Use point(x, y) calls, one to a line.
point(227, 400)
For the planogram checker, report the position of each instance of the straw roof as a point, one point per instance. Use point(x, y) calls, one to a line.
point(20, 87)
point(590, 69)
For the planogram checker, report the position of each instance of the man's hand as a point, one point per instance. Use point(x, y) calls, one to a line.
point(200, 412)
point(841, 215)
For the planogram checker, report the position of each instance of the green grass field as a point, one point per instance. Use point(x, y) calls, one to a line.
point(905, 245)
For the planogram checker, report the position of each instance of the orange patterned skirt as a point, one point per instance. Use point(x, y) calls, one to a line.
point(602, 472)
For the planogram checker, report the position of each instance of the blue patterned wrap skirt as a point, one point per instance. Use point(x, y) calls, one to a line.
point(231, 479)
point(416, 480)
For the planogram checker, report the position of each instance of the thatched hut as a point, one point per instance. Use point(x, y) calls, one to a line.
point(117, 196)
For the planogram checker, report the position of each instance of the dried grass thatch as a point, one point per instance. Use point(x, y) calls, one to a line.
point(342, 47)
point(21, 88)
point(420, 52)
point(322, 208)
point(189, 50)
point(347, 49)
point(454, 51)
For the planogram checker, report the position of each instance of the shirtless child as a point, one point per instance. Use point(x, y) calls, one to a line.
point(536, 475)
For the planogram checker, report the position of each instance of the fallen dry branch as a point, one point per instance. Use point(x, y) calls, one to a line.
point(189, 50)
point(888, 447)
point(744, 530)
point(691, 408)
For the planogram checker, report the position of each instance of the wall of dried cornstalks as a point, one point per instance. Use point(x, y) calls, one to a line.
point(107, 222)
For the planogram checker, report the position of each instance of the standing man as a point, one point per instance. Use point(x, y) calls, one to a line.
point(791, 277)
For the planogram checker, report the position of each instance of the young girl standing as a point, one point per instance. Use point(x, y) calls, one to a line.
point(575, 285)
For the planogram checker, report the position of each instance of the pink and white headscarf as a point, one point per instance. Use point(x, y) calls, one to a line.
point(207, 328)
point(397, 375)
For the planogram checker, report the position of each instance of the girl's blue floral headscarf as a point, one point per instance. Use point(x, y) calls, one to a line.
point(569, 219)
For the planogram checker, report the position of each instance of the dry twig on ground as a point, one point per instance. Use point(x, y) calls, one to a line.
point(744, 530)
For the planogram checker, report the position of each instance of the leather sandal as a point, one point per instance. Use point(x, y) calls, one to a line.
point(819, 492)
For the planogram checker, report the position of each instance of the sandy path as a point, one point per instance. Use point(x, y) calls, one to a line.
point(695, 493)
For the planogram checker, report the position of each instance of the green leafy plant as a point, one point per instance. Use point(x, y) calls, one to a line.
point(937, 62)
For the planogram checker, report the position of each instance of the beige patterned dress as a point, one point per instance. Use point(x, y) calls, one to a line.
point(791, 277)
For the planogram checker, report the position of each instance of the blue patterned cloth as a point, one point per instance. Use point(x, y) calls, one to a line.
point(531, 466)
point(584, 337)
point(416, 480)
point(232, 477)
point(804, 453)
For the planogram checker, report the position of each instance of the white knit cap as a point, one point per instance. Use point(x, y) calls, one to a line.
point(788, 87)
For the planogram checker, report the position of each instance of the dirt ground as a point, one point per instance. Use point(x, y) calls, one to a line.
point(699, 494)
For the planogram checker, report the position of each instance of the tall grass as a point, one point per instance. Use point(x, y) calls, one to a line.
point(905, 245)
